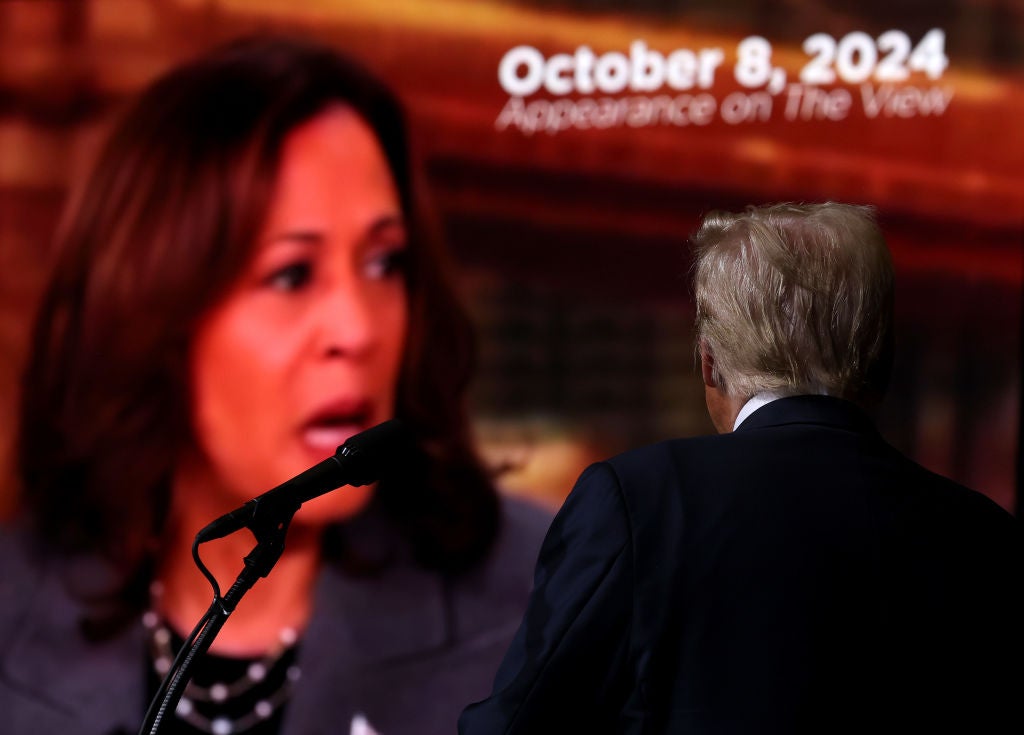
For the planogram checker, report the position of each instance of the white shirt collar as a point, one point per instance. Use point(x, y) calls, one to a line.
point(761, 399)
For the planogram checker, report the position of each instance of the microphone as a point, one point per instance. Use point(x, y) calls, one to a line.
point(362, 459)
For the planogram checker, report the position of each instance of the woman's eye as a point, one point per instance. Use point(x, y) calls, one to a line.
point(291, 277)
point(387, 263)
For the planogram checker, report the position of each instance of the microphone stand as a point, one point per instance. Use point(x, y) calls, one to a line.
point(270, 534)
point(359, 461)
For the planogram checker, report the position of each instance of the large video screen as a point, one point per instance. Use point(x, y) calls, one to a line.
point(569, 149)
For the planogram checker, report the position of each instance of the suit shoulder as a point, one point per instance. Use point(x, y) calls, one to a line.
point(970, 508)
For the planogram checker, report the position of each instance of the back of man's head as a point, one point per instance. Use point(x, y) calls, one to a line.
point(795, 299)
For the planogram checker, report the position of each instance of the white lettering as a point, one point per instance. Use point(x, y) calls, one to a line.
point(681, 69)
point(524, 70)
point(648, 68)
point(710, 60)
point(510, 113)
point(807, 102)
point(508, 71)
point(553, 117)
point(554, 80)
point(609, 113)
point(684, 69)
point(584, 70)
point(890, 101)
point(740, 107)
point(702, 109)
point(936, 100)
point(611, 74)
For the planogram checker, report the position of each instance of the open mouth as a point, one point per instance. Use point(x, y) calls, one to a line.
point(330, 427)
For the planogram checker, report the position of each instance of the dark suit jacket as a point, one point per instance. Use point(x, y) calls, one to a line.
point(407, 649)
point(796, 576)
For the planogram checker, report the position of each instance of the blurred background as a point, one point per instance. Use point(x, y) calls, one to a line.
point(571, 232)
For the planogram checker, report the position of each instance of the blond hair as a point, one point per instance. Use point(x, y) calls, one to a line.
point(795, 299)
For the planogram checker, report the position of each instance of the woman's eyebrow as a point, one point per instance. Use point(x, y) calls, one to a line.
point(316, 237)
point(387, 222)
point(301, 237)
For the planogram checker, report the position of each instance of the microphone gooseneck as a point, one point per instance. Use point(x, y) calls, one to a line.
point(362, 459)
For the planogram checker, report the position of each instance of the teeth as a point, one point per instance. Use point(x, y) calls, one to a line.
point(328, 437)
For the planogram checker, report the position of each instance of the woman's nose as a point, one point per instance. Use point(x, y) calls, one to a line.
point(346, 322)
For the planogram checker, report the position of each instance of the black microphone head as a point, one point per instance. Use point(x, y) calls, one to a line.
point(369, 454)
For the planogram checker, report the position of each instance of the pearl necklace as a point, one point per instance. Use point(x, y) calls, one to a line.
point(219, 693)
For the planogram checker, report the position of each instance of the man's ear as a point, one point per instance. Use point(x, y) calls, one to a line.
point(707, 366)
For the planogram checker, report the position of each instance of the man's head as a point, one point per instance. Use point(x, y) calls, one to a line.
point(793, 299)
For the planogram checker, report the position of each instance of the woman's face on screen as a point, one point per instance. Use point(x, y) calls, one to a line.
point(305, 349)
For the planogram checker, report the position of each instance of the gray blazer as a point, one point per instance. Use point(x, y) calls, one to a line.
point(407, 650)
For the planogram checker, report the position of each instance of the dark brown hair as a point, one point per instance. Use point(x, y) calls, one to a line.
point(164, 223)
